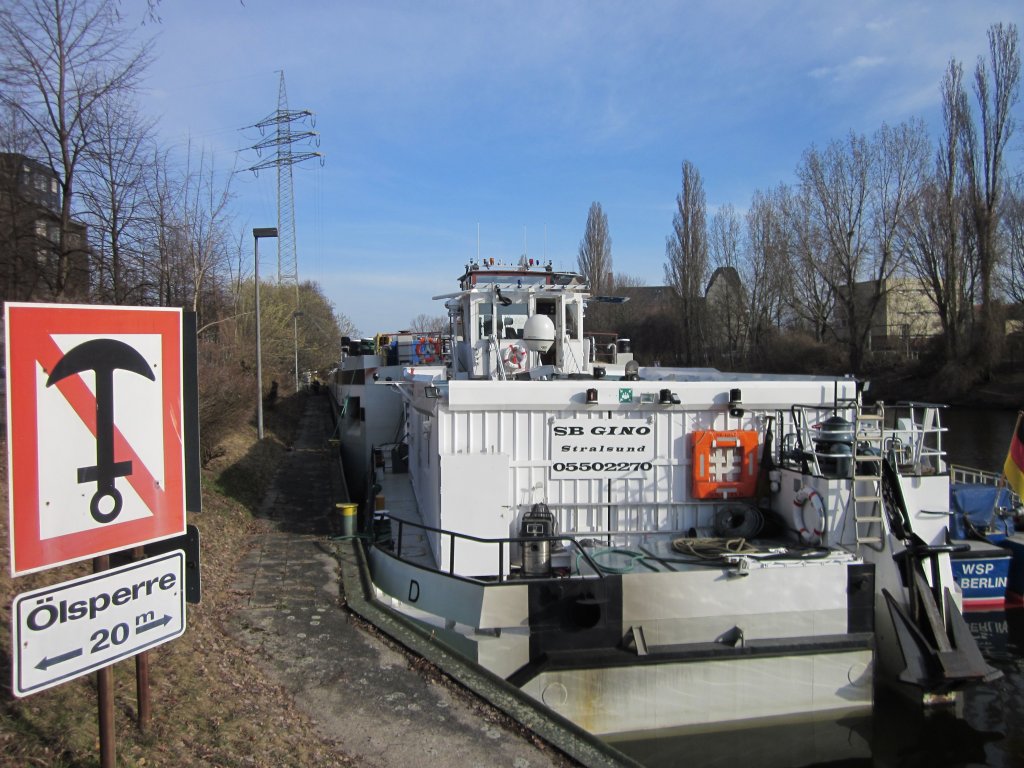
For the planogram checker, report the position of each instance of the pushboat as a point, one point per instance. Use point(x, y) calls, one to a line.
point(988, 565)
point(643, 547)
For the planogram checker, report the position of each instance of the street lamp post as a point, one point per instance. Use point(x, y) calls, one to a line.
point(257, 233)
point(295, 319)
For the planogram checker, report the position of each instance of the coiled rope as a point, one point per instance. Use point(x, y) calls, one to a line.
point(712, 548)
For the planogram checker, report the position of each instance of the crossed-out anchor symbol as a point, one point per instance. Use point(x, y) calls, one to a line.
point(103, 356)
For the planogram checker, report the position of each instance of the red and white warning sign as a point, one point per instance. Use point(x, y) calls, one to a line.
point(94, 430)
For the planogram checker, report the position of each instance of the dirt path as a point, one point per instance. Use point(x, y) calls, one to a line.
point(380, 706)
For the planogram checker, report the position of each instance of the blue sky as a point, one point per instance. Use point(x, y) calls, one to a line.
point(437, 117)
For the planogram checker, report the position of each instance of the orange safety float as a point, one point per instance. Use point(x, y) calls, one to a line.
point(425, 351)
point(724, 463)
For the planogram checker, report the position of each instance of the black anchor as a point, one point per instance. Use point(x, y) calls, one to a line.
point(103, 356)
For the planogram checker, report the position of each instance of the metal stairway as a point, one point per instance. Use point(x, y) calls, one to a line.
point(867, 476)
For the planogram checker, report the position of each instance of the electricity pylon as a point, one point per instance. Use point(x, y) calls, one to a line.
point(282, 141)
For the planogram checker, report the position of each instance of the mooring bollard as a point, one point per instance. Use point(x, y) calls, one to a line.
point(348, 518)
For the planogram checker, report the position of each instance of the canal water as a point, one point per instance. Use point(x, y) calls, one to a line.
point(988, 730)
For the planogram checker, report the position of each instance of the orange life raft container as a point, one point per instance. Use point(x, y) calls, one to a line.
point(724, 463)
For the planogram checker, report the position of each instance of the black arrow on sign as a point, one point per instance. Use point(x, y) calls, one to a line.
point(153, 625)
point(103, 356)
point(46, 663)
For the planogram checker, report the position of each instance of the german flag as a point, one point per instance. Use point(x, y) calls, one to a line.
point(1014, 466)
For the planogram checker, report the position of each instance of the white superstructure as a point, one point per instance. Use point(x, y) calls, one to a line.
point(645, 547)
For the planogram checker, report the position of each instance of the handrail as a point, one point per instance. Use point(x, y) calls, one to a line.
point(609, 345)
point(971, 475)
point(912, 439)
point(962, 474)
point(573, 539)
point(919, 437)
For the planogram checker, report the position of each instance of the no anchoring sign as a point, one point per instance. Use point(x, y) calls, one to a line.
point(95, 430)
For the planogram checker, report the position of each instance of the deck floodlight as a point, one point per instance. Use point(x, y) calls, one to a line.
point(735, 403)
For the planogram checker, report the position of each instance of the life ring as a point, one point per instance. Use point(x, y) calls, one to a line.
point(514, 357)
point(425, 351)
point(724, 464)
point(808, 497)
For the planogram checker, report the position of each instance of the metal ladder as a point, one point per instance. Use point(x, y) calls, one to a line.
point(867, 475)
point(446, 351)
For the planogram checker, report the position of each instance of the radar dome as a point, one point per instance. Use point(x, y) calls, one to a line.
point(539, 333)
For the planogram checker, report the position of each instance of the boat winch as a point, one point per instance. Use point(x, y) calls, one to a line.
point(834, 447)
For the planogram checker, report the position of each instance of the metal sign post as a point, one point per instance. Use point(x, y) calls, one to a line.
point(102, 421)
point(105, 696)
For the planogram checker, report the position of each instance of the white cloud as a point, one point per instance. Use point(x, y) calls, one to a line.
point(855, 67)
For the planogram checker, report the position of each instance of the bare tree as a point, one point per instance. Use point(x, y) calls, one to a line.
point(937, 238)
point(812, 297)
point(726, 238)
point(319, 328)
point(1013, 225)
point(206, 224)
point(424, 323)
point(595, 253)
point(16, 136)
point(60, 58)
point(836, 183)
point(166, 237)
point(861, 192)
point(725, 295)
point(997, 93)
point(686, 268)
point(117, 175)
point(768, 262)
point(899, 168)
point(313, 332)
point(617, 317)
